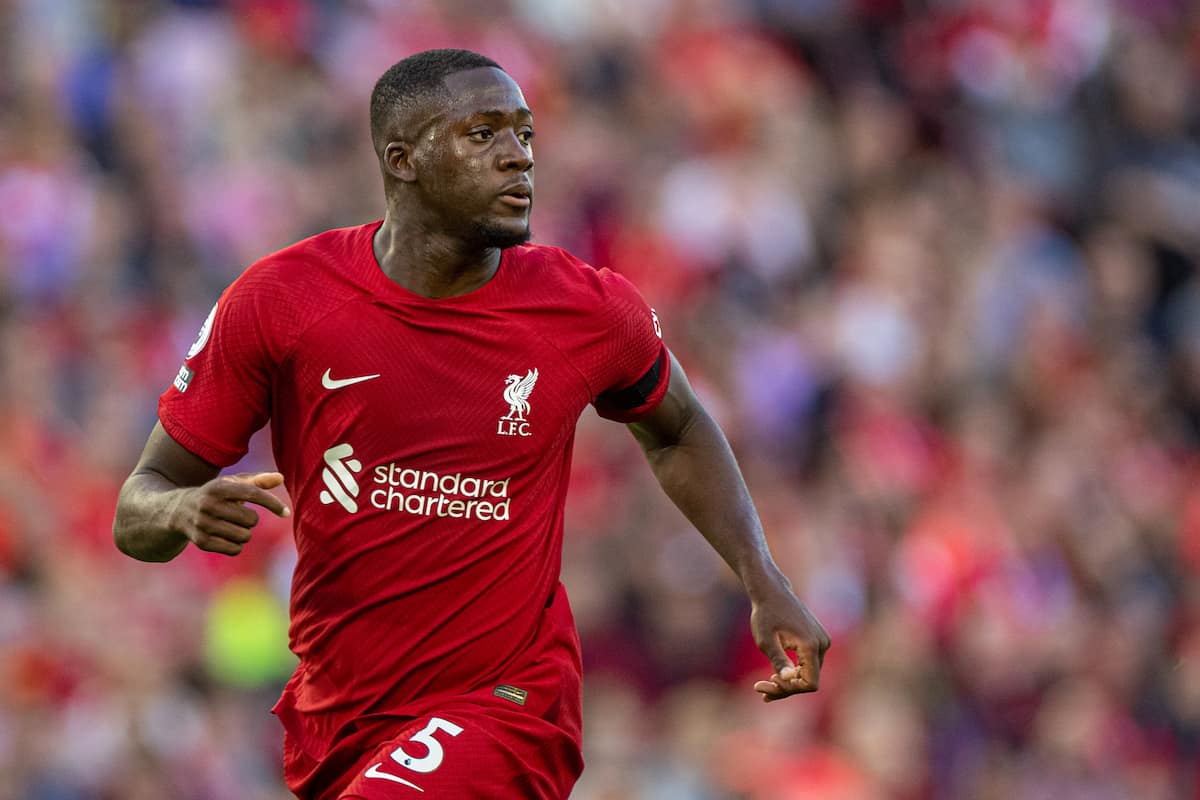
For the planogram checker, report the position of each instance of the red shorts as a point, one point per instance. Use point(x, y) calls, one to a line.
point(517, 735)
point(469, 751)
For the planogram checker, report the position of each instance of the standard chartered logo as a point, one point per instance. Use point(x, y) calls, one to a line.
point(430, 494)
point(340, 483)
point(413, 491)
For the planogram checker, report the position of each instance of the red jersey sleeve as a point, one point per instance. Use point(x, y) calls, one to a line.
point(634, 368)
point(222, 394)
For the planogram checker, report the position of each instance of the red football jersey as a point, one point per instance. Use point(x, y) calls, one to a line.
point(426, 445)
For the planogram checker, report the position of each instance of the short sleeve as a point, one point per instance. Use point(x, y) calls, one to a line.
point(222, 393)
point(635, 370)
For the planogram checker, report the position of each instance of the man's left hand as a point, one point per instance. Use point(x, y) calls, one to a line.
point(782, 625)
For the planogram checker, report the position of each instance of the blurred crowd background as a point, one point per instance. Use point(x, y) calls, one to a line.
point(932, 264)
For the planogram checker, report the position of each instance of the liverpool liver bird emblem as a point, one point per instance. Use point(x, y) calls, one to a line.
point(516, 394)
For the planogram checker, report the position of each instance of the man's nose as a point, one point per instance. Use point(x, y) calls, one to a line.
point(514, 154)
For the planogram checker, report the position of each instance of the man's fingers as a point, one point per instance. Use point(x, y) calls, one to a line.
point(226, 530)
point(216, 518)
point(780, 660)
point(790, 677)
point(217, 544)
point(253, 489)
point(769, 690)
point(228, 509)
point(810, 655)
point(777, 689)
point(792, 640)
point(264, 480)
point(806, 675)
point(798, 673)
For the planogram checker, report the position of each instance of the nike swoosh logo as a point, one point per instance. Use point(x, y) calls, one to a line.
point(376, 772)
point(332, 383)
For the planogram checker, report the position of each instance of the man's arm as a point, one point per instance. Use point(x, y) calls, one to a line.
point(692, 461)
point(174, 497)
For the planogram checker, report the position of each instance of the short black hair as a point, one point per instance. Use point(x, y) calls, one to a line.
point(416, 77)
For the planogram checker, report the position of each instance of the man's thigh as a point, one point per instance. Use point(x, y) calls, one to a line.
point(459, 754)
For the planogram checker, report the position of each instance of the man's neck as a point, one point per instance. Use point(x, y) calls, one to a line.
point(431, 264)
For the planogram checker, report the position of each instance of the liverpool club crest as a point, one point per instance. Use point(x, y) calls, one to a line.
point(516, 394)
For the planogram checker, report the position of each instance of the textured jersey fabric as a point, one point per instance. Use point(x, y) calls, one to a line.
point(426, 446)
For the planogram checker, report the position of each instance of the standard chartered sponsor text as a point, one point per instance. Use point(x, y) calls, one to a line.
point(428, 494)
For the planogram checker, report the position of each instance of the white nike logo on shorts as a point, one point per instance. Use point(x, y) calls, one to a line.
point(332, 383)
point(376, 772)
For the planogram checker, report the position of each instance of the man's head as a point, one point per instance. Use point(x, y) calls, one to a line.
point(401, 90)
point(452, 133)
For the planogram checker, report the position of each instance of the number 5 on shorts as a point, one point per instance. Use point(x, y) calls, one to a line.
point(433, 759)
point(426, 763)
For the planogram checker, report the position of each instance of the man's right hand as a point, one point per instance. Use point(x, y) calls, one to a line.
point(214, 516)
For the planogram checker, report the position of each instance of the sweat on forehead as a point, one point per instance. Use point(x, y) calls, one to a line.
point(415, 79)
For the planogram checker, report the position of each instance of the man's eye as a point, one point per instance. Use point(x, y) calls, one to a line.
point(481, 135)
point(526, 136)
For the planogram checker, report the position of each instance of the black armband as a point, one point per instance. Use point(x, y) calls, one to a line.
point(639, 393)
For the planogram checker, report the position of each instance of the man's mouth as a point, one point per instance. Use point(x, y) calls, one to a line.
point(517, 196)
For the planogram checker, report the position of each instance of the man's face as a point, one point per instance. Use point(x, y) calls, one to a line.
point(475, 160)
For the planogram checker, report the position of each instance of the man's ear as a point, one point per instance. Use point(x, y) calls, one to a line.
point(397, 160)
